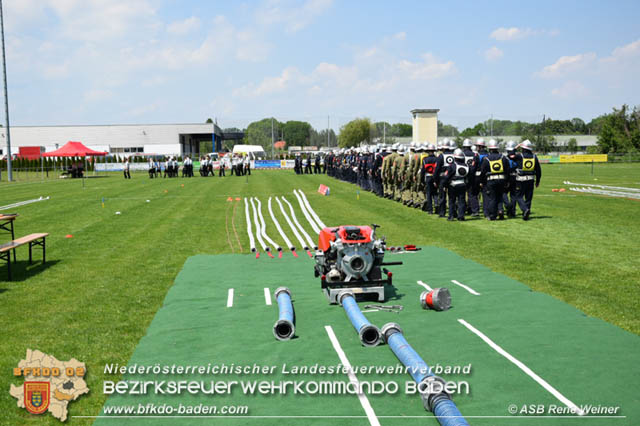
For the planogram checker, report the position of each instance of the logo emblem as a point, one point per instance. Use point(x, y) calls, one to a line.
point(449, 160)
point(36, 397)
point(528, 164)
point(497, 166)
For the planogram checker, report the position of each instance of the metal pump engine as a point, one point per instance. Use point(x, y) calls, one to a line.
point(351, 257)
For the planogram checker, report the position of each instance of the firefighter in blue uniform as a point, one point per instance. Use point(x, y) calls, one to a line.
point(509, 196)
point(494, 171)
point(528, 170)
point(478, 189)
point(444, 160)
point(455, 180)
point(471, 159)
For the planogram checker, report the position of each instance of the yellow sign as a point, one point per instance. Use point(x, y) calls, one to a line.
point(584, 158)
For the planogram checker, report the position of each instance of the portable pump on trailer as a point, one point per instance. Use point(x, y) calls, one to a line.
point(352, 258)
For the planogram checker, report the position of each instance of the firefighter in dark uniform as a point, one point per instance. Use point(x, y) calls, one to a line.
point(471, 159)
point(455, 180)
point(307, 165)
point(509, 197)
point(478, 190)
point(528, 170)
point(427, 175)
point(494, 171)
point(316, 164)
point(444, 160)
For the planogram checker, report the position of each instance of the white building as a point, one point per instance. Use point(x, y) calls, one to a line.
point(121, 139)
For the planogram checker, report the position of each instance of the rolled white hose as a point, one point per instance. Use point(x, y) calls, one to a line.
point(282, 234)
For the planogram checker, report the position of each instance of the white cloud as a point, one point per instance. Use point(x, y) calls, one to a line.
point(292, 16)
point(631, 50)
point(567, 64)
point(510, 34)
point(184, 27)
point(428, 69)
point(97, 95)
point(400, 36)
point(570, 90)
point(493, 54)
point(515, 33)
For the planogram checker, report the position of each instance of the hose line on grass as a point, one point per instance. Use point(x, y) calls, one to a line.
point(369, 334)
point(292, 226)
point(284, 328)
point(258, 227)
point(279, 228)
point(252, 242)
point(313, 213)
point(264, 227)
point(306, 214)
point(295, 220)
point(430, 386)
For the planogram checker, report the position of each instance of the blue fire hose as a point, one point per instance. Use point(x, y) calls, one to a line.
point(284, 329)
point(369, 334)
point(431, 387)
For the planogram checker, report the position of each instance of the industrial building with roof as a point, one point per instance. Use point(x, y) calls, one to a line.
point(121, 139)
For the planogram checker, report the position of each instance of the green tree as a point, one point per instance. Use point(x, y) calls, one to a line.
point(355, 132)
point(259, 133)
point(447, 129)
point(620, 131)
point(296, 133)
point(401, 130)
point(209, 121)
point(572, 145)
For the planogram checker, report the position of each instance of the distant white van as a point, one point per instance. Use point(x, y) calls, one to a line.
point(255, 152)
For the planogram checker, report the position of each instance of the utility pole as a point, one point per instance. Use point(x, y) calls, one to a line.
point(328, 141)
point(491, 124)
point(384, 132)
point(272, 141)
point(6, 99)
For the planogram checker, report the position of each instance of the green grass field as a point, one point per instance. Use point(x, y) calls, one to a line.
point(99, 291)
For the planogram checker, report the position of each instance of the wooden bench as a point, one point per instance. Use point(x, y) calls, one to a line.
point(31, 239)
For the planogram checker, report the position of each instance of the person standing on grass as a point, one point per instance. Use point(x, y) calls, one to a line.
point(127, 175)
point(494, 173)
point(527, 169)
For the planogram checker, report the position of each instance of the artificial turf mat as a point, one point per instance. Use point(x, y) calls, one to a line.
point(587, 360)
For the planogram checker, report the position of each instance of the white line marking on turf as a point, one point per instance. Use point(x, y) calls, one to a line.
point(469, 289)
point(267, 296)
point(364, 401)
point(425, 285)
point(230, 298)
point(524, 368)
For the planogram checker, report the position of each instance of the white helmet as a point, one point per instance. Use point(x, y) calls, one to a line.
point(431, 147)
point(474, 148)
point(493, 144)
point(466, 143)
point(458, 154)
point(527, 145)
point(452, 144)
point(480, 142)
point(511, 146)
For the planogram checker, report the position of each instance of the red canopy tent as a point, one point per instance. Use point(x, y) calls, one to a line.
point(73, 149)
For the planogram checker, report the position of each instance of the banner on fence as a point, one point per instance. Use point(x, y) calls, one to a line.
point(584, 158)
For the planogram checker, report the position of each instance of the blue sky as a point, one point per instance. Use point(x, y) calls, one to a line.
point(169, 61)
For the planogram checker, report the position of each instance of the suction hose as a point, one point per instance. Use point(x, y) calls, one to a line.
point(369, 334)
point(284, 329)
point(431, 387)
